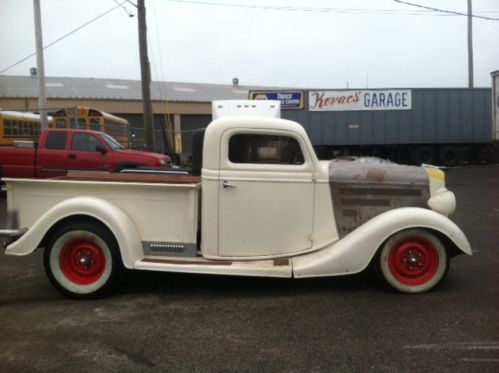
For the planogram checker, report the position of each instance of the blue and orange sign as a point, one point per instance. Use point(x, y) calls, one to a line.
point(288, 99)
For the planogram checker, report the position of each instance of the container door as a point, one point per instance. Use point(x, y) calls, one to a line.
point(495, 103)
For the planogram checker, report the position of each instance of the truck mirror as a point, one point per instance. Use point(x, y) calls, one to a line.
point(100, 149)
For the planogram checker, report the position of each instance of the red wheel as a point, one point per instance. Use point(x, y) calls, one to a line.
point(413, 261)
point(82, 260)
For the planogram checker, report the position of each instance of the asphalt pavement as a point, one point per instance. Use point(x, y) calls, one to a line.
point(190, 323)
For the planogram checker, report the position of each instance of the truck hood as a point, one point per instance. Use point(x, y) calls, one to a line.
point(362, 188)
point(376, 172)
point(136, 154)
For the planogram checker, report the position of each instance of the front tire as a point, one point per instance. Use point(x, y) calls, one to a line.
point(413, 261)
point(82, 260)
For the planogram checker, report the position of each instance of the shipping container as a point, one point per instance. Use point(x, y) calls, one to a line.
point(495, 104)
point(419, 125)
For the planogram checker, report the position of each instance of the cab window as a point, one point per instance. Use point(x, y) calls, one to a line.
point(264, 149)
point(84, 142)
point(56, 140)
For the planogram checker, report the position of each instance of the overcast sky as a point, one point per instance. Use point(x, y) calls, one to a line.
point(288, 43)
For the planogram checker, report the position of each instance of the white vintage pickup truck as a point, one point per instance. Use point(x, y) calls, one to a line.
point(261, 205)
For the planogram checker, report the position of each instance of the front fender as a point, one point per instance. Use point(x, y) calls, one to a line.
point(118, 222)
point(354, 252)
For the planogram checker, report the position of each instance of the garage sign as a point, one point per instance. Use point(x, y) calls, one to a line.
point(288, 99)
point(360, 100)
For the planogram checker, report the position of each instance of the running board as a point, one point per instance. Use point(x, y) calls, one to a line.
point(260, 268)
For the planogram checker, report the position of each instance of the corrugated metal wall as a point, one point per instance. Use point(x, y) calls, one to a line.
point(437, 116)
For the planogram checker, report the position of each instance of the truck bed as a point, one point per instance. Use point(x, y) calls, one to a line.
point(24, 165)
point(164, 207)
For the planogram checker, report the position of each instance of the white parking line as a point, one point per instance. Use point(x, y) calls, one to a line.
point(456, 346)
point(478, 360)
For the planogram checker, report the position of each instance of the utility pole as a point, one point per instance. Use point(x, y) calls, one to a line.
point(145, 76)
point(470, 45)
point(42, 98)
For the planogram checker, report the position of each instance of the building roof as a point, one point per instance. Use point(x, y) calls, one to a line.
point(119, 89)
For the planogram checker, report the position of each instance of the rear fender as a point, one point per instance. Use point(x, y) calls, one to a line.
point(115, 219)
point(354, 252)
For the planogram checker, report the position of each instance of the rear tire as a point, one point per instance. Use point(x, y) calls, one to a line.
point(413, 261)
point(449, 156)
point(82, 260)
point(423, 154)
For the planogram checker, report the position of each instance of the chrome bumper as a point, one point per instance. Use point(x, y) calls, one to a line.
point(12, 235)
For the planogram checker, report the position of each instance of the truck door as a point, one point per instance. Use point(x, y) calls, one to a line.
point(51, 156)
point(84, 153)
point(266, 194)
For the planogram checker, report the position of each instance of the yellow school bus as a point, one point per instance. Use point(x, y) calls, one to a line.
point(92, 119)
point(16, 125)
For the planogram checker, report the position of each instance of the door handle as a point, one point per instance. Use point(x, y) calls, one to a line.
point(72, 156)
point(226, 184)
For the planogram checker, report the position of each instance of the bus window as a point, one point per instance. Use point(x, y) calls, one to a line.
point(94, 124)
point(7, 128)
point(14, 127)
point(77, 123)
point(60, 123)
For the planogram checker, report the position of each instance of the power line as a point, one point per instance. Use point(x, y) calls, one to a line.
point(286, 7)
point(446, 11)
point(428, 12)
point(64, 36)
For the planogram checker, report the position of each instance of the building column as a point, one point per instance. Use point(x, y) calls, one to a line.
point(177, 127)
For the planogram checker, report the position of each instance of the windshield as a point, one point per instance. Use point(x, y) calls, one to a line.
point(115, 145)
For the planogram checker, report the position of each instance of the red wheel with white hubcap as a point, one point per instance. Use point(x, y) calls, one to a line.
point(413, 261)
point(82, 259)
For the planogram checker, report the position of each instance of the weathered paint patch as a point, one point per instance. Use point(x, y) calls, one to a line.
point(362, 190)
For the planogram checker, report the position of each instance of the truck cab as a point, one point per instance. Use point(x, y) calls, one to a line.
point(261, 176)
point(61, 150)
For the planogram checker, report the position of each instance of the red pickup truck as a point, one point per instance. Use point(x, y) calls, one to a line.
point(60, 150)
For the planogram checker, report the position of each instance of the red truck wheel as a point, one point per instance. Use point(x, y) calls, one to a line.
point(82, 260)
point(413, 261)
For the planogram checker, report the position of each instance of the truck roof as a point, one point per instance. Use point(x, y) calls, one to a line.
point(73, 130)
point(21, 115)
